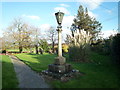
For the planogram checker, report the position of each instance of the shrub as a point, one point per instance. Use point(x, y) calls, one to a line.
point(3, 51)
point(107, 46)
point(97, 48)
point(44, 45)
point(79, 53)
point(115, 48)
point(102, 47)
point(79, 45)
point(65, 48)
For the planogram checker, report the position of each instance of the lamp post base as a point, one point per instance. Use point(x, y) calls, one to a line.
point(59, 69)
point(60, 60)
point(60, 72)
point(60, 66)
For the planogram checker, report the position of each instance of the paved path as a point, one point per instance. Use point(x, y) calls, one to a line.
point(27, 77)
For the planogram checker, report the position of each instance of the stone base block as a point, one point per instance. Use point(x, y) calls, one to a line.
point(60, 60)
point(60, 68)
point(61, 76)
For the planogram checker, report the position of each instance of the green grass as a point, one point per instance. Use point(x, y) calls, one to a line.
point(37, 62)
point(99, 73)
point(9, 79)
point(13, 50)
point(17, 50)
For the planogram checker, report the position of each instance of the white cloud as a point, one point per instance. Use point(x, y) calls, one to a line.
point(31, 17)
point(67, 21)
point(62, 9)
point(107, 33)
point(92, 14)
point(64, 5)
point(50, 0)
point(109, 11)
point(34, 17)
point(91, 4)
point(1, 32)
point(65, 32)
point(44, 28)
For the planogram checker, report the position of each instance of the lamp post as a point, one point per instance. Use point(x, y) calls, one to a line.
point(59, 67)
point(59, 16)
point(60, 59)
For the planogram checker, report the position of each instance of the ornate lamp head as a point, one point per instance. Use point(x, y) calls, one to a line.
point(59, 16)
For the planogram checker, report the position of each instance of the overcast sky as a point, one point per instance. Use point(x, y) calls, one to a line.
point(41, 14)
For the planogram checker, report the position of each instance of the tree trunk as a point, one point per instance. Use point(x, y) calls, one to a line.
point(36, 47)
point(20, 49)
point(53, 44)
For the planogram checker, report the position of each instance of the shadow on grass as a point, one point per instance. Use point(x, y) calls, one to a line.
point(9, 79)
point(37, 62)
point(43, 57)
point(96, 75)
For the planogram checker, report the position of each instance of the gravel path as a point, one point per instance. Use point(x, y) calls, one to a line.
point(27, 77)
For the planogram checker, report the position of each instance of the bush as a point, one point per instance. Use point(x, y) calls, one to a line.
point(115, 48)
point(106, 47)
point(103, 47)
point(3, 51)
point(97, 48)
point(44, 45)
point(79, 45)
point(79, 54)
point(65, 48)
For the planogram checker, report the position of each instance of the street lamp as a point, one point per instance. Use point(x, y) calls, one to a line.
point(59, 17)
point(59, 67)
point(60, 59)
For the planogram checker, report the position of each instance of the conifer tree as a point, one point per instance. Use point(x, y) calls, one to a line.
point(84, 21)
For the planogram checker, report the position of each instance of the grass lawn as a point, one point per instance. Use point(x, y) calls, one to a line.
point(100, 73)
point(37, 62)
point(9, 79)
point(17, 50)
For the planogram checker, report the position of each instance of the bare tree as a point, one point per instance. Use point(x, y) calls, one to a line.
point(52, 36)
point(35, 37)
point(2, 44)
point(7, 40)
point(20, 33)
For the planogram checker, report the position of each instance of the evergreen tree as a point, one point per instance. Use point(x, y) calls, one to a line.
point(85, 30)
point(44, 45)
point(84, 21)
